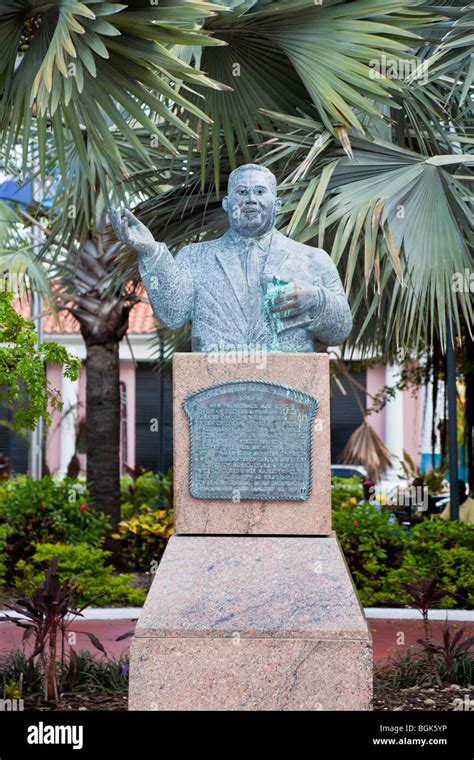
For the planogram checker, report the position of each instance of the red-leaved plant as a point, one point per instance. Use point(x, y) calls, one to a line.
point(48, 615)
point(451, 649)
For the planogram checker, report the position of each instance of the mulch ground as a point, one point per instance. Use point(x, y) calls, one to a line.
point(419, 698)
point(415, 698)
point(78, 701)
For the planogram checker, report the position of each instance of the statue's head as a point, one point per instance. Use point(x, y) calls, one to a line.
point(251, 202)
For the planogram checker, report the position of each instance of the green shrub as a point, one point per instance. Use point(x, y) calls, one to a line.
point(144, 536)
point(83, 672)
point(152, 490)
point(147, 519)
point(94, 579)
point(371, 545)
point(20, 673)
point(413, 668)
point(345, 490)
point(379, 555)
point(46, 510)
point(443, 549)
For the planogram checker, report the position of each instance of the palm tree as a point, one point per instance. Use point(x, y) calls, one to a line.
point(86, 91)
point(365, 113)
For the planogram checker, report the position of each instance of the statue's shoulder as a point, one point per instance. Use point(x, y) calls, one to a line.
point(203, 248)
point(317, 255)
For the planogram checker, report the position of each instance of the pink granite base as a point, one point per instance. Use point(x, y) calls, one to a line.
point(250, 674)
point(305, 372)
point(251, 623)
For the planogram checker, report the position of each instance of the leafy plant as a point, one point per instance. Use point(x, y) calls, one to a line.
point(82, 671)
point(17, 667)
point(89, 672)
point(23, 381)
point(46, 510)
point(147, 512)
point(144, 536)
point(441, 549)
point(298, 57)
point(345, 491)
point(141, 488)
point(413, 668)
point(84, 66)
point(383, 557)
point(371, 544)
point(45, 616)
point(3, 558)
point(433, 479)
point(423, 594)
point(86, 566)
point(452, 649)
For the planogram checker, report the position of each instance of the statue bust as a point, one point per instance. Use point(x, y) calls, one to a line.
point(251, 288)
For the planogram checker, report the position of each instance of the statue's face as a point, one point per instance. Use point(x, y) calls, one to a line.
point(251, 205)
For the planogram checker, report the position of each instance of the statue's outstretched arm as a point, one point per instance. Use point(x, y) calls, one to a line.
point(169, 285)
point(168, 281)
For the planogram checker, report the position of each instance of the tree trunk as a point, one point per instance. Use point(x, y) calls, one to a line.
point(103, 429)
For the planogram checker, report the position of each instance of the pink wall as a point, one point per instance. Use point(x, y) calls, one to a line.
point(375, 381)
point(53, 444)
point(53, 440)
point(127, 375)
point(412, 419)
point(412, 412)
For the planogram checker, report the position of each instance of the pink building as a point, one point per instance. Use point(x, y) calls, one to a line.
point(403, 424)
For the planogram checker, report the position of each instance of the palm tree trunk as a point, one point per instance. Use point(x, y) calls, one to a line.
point(103, 428)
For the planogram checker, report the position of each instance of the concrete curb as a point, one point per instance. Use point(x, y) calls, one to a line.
point(385, 613)
point(395, 613)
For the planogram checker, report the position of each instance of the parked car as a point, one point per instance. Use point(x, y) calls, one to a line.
point(348, 471)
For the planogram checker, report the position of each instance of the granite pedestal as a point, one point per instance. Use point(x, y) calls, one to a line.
point(252, 606)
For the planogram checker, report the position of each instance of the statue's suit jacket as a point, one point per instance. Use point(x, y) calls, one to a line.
point(206, 283)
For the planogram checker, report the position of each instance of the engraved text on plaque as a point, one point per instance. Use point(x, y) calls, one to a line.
point(250, 439)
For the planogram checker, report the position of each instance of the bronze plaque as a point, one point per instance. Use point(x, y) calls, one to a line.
point(250, 439)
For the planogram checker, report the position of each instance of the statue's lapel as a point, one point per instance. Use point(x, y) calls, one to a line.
point(229, 259)
point(278, 256)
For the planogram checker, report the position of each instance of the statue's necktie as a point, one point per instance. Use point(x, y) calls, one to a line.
point(252, 262)
point(252, 267)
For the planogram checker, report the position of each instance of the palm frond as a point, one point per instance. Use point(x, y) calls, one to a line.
point(84, 67)
point(299, 55)
point(397, 223)
point(366, 448)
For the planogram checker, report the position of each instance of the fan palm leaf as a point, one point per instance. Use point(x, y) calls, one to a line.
point(298, 54)
point(454, 54)
point(397, 222)
point(84, 67)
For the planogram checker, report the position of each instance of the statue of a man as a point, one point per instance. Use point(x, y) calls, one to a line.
point(252, 287)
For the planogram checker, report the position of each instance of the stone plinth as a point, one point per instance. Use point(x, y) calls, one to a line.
point(301, 373)
point(251, 623)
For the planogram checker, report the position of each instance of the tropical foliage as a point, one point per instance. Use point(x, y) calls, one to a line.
point(362, 109)
point(46, 510)
point(23, 383)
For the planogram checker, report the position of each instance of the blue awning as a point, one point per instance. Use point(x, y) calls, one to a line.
point(12, 191)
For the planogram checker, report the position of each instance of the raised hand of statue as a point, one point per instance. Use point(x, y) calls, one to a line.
point(295, 299)
point(132, 232)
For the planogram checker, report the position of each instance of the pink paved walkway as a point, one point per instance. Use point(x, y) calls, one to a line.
point(386, 635)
